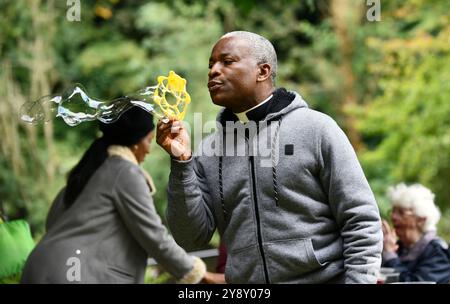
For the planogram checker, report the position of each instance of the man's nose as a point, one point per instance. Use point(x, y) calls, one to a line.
point(214, 70)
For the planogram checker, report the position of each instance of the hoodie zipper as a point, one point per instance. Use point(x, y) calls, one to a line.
point(258, 224)
point(255, 201)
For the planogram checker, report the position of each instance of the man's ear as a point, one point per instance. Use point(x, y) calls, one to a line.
point(264, 72)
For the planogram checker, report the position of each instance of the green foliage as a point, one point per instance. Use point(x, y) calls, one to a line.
point(123, 67)
point(14, 279)
point(407, 125)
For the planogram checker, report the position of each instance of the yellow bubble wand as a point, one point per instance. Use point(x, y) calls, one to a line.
point(176, 86)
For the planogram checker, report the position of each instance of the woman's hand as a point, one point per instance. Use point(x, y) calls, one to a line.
point(389, 238)
point(174, 139)
point(214, 278)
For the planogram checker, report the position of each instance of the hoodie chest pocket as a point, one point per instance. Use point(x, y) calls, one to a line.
point(290, 259)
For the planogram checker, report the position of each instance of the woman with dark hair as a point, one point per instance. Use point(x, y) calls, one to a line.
point(103, 225)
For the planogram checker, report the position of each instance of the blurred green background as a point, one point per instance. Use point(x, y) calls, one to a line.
point(387, 83)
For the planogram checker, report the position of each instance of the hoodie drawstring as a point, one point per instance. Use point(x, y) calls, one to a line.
point(222, 199)
point(274, 163)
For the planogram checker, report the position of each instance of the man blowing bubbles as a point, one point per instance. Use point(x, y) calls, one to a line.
point(307, 217)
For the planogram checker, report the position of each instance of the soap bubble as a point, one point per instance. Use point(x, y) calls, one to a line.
point(34, 112)
point(168, 99)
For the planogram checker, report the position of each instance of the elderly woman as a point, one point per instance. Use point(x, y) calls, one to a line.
point(103, 225)
point(418, 254)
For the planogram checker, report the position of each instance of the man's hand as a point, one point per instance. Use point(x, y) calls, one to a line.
point(174, 138)
point(389, 238)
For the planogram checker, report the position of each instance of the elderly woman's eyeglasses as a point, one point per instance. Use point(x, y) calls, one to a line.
point(402, 212)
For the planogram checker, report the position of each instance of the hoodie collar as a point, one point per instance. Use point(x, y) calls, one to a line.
point(282, 102)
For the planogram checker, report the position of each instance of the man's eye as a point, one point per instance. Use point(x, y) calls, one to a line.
point(228, 61)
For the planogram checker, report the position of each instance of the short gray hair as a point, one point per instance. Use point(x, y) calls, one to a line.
point(262, 49)
point(419, 199)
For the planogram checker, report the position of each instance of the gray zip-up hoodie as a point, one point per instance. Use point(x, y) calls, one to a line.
point(303, 213)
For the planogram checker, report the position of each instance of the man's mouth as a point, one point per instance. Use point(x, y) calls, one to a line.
point(214, 85)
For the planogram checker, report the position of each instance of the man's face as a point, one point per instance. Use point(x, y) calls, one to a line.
point(233, 73)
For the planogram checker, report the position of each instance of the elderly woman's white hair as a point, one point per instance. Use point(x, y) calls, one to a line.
point(419, 199)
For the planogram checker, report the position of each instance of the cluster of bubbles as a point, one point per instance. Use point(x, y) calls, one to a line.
point(168, 99)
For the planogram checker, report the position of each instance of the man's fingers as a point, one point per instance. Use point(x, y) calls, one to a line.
point(174, 125)
point(163, 126)
point(164, 129)
point(162, 135)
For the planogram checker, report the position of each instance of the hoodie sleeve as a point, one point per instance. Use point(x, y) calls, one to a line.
point(352, 203)
point(189, 211)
